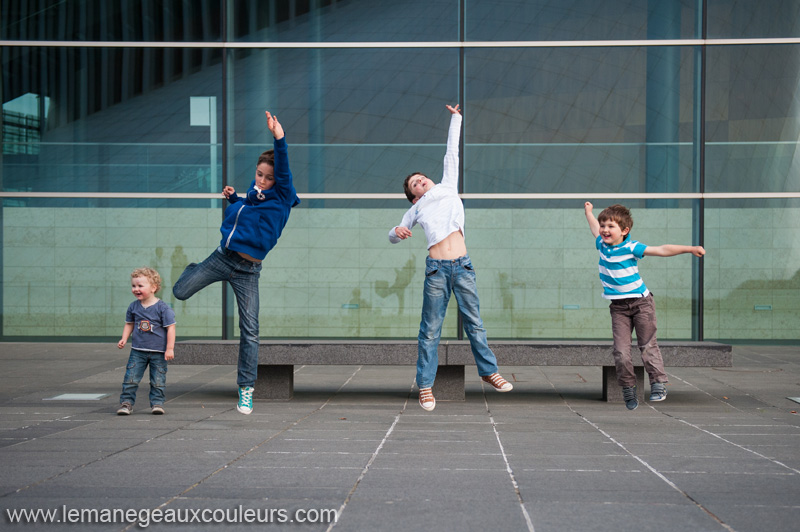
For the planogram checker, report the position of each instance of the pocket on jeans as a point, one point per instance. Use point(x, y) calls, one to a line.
point(430, 273)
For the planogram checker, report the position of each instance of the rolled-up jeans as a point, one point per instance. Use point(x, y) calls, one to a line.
point(639, 314)
point(242, 274)
point(134, 371)
point(443, 277)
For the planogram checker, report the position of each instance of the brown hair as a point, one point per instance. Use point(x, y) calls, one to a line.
point(150, 274)
point(617, 213)
point(407, 189)
point(267, 157)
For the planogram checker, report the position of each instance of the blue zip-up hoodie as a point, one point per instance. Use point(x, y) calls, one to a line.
point(253, 225)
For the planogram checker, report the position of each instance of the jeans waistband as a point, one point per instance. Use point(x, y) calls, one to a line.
point(226, 251)
point(235, 255)
point(459, 260)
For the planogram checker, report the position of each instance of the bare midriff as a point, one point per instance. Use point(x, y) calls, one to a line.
point(452, 247)
point(245, 256)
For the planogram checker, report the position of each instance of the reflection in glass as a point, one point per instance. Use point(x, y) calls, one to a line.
point(579, 119)
point(753, 19)
point(753, 119)
point(579, 20)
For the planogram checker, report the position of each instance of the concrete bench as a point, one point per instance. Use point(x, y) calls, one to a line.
point(277, 358)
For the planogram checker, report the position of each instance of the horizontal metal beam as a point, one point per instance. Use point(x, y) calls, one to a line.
point(380, 196)
point(405, 44)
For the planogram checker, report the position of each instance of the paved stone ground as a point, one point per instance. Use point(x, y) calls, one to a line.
point(721, 453)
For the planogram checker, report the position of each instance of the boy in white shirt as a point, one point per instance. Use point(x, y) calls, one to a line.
point(440, 212)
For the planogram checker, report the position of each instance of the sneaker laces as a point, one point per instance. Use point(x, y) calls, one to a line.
point(246, 396)
point(426, 399)
point(629, 393)
point(496, 380)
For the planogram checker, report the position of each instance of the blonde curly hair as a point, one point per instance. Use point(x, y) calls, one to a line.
point(150, 274)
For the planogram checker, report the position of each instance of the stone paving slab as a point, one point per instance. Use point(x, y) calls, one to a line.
point(721, 453)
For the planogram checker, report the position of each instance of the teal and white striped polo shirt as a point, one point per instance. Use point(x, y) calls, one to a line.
point(619, 269)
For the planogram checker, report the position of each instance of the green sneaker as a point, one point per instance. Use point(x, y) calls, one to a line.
point(629, 394)
point(245, 405)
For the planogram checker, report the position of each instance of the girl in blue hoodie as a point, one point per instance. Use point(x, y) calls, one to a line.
point(250, 229)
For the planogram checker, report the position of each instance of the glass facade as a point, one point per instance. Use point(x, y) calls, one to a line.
point(123, 120)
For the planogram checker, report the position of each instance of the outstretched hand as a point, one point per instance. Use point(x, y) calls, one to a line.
point(274, 126)
point(453, 109)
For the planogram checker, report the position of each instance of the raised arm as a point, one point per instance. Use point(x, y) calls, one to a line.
point(594, 225)
point(450, 175)
point(283, 175)
point(670, 250)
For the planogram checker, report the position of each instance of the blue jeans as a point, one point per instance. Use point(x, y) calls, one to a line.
point(441, 278)
point(134, 372)
point(243, 275)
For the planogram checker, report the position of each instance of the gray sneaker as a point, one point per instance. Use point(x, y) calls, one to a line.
point(125, 409)
point(157, 410)
point(629, 394)
point(658, 392)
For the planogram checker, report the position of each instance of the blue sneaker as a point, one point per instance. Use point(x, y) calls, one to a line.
point(629, 394)
point(658, 392)
point(245, 405)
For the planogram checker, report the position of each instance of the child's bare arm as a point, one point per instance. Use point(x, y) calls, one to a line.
point(169, 354)
point(126, 332)
point(594, 225)
point(670, 250)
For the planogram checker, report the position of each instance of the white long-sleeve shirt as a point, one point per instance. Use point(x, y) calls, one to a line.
point(439, 211)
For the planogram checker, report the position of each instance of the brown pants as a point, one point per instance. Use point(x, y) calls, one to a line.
point(637, 314)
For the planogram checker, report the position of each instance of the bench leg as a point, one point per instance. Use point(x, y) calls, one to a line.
point(274, 382)
point(449, 383)
point(612, 392)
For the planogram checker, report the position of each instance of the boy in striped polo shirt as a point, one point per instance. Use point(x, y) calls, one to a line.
point(632, 307)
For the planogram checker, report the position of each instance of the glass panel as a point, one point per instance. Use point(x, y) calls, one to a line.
point(96, 130)
point(753, 19)
point(557, 20)
point(345, 20)
point(334, 273)
point(752, 270)
point(101, 20)
point(352, 124)
point(538, 276)
point(66, 269)
point(579, 120)
point(753, 119)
